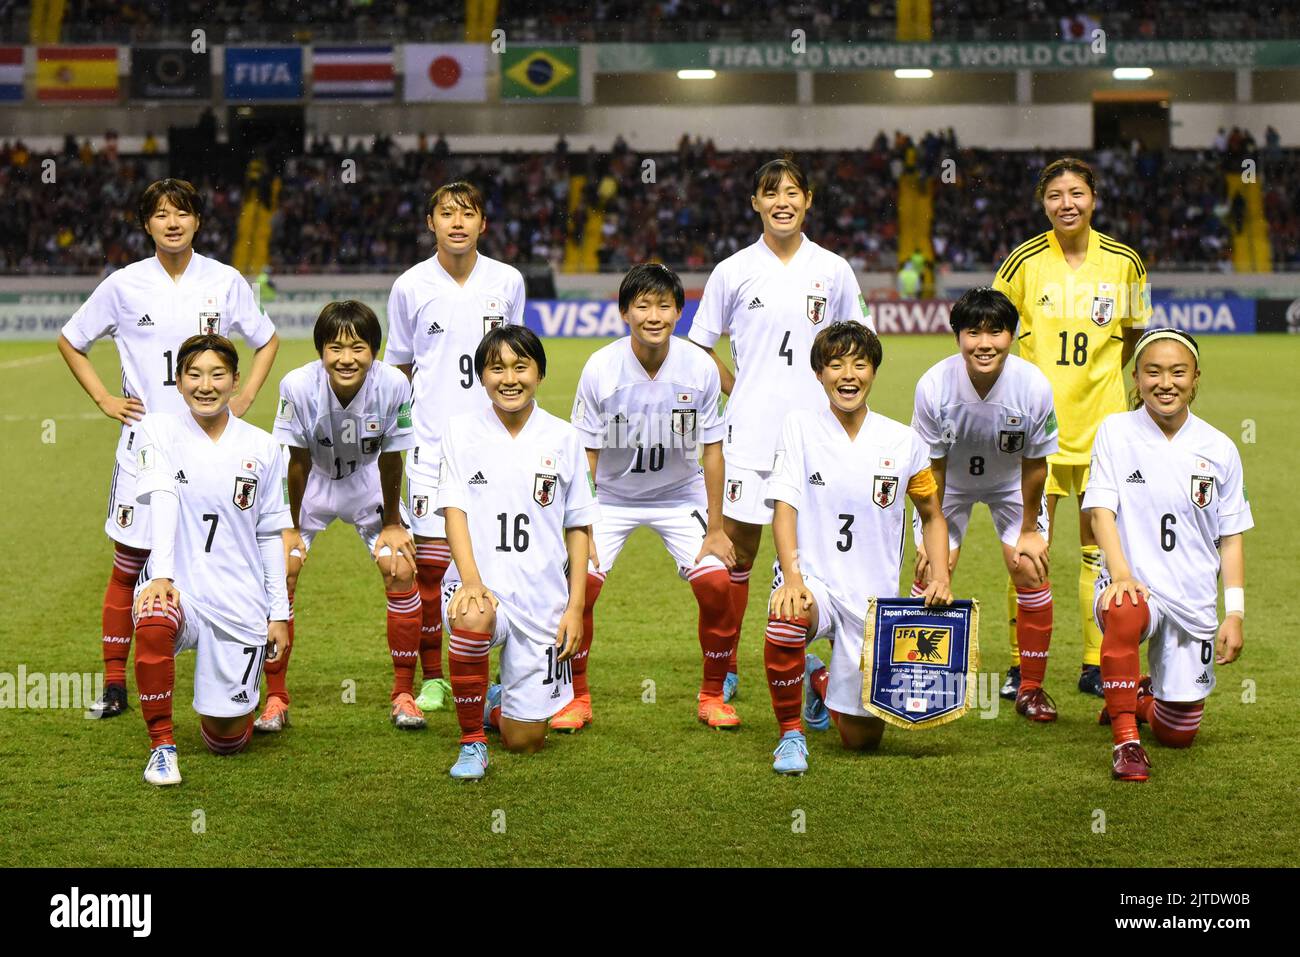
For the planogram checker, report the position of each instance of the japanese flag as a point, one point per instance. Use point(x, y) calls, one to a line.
point(450, 72)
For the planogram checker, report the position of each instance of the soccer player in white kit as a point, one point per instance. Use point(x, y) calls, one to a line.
point(438, 312)
point(214, 581)
point(1168, 505)
point(988, 418)
point(518, 501)
point(647, 408)
point(771, 298)
point(837, 491)
point(346, 419)
point(149, 308)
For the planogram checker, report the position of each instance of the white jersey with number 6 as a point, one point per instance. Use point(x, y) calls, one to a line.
point(1173, 500)
point(772, 311)
point(436, 324)
point(984, 440)
point(230, 492)
point(519, 494)
point(648, 430)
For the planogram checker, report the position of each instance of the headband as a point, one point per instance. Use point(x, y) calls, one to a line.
point(1168, 332)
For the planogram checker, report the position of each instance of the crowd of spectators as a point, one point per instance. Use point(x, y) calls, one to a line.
point(689, 208)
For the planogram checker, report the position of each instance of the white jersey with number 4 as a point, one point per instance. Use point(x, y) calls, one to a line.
point(1173, 500)
point(230, 491)
point(772, 311)
point(519, 494)
point(648, 430)
point(149, 315)
point(436, 324)
point(984, 440)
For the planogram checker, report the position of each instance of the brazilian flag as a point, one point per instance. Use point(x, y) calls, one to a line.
point(540, 73)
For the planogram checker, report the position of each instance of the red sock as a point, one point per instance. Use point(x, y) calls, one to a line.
point(1145, 701)
point(467, 657)
point(1122, 627)
point(820, 679)
point(595, 580)
point(1176, 722)
point(739, 602)
point(918, 588)
point(783, 655)
point(226, 744)
point(116, 619)
point(431, 561)
point(717, 624)
point(276, 671)
point(155, 669)
point(1033, 633)
point(404, 616)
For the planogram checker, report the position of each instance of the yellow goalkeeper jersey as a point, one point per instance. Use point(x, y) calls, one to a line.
point(1071, 327)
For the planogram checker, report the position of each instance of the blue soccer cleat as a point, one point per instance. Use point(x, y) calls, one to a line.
point(791, 754)
point(490, 701)
point(815, 713)
point(472, 763)
point(730, 685)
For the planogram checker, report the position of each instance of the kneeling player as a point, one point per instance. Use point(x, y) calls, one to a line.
point(518, 501)
point(1168, 506)
point(838, 528)
point(215, 575)
point(987, 417)
point(643, 404)
point(346, 419)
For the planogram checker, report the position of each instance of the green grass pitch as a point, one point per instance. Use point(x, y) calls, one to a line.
point(646, 784)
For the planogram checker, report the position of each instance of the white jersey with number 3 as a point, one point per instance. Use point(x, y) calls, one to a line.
point(1173, 500)
point(436, 324)
point(230, 492)
point(772, 311)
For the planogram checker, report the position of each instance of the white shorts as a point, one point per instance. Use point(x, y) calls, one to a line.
point(681, 526)
point(128, 520)
point(358, 502)
point(227, 670)
point(1181, 663)
point(422, 499)
point(1006, 512)
point(844, 627)
point(534, 684)
point(742, 495)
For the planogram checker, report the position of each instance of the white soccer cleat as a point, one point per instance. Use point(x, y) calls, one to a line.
point(162, 768)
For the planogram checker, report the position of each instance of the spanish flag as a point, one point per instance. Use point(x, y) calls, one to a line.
point(66, 74)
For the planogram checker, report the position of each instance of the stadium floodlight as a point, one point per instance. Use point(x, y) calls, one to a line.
point(913, 74)
point(1132, 73)
point(696, 74)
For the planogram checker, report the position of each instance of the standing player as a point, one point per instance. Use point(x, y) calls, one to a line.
point(987, 418)
point(1168, 503)
point(149, 308)
point(215, 574)
point(345, 419)
point(438, 312)
point(837, 494)
point(771, 298)
point(518, 501)
point(645, 404)
point(1083, 301)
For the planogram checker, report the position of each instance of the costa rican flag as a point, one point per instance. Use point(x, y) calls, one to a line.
point(353, 73)
point(11, 74)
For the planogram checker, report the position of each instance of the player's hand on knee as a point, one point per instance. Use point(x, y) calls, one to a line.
point(719, 545)
point(294, 542)
point(569, 636)
point(1031, 548)
point(470, 598)
point(277, 640)
point(1120, 587)
point(396, 545)
point(790, 601)
point(937, 593)
point(156, 596)
point(1231, 637)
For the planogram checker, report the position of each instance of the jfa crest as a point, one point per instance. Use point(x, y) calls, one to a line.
point(419, 505)
point(884, 490)
point(125, 515)
point(245, 492)
point(1011, 441)
point(1103, 310)
point(492, 322)
point(683, 421)
point(544, 488)
point(209, 323)
point(1202, 490)
point(816, 309)
point(370, 445)
point(733, 489)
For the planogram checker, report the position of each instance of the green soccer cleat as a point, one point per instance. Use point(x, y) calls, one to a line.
point(434, 694)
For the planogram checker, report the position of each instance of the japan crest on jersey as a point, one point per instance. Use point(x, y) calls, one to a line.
point(1202, 490)
point(493, 315)
point(884, 490)
point(245, 492)
point(816, 309)
point(544, 488)
point(370, 444)
point(419, 505)
point(125, 515)
point(209, 317)
point(1103, 304)
point(683, 421)
point(1011, 440)
point(733, 489)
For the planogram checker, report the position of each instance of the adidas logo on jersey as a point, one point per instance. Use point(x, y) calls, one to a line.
point(1136, 478)
point(145, 320)
point(433, 329)
point(325, 440)
point(815, 479)
point(181, 479)
point(1204, 679)
point(478, 479)
point(241, 698)
point(755, 303)
point(1044, 300)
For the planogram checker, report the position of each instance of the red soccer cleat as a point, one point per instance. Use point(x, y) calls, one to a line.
point(575, 716)
point(1130, 762)
point(1036, 704)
